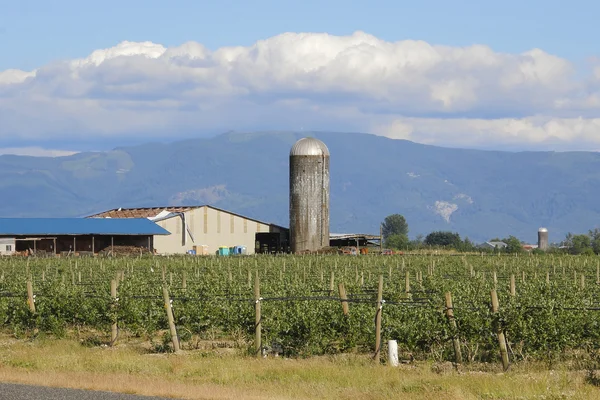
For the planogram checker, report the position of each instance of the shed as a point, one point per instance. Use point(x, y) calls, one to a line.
point(76, 235)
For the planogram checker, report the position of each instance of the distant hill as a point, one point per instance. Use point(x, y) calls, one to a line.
point(480, 194)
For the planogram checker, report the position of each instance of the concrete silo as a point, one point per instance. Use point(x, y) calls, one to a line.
point(309, 195)
point(543, 239)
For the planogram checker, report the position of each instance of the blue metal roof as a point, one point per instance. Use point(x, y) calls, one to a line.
point(79, 226)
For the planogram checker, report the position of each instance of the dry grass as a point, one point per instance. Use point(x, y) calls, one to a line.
point(202, 375)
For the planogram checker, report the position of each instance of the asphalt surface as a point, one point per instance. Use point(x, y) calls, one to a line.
point(10, 391)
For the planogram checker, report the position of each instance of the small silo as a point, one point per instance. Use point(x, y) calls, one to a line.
point(543, 239)
point(309, 195)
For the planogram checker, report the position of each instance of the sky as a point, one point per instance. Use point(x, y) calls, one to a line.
point(510, 75)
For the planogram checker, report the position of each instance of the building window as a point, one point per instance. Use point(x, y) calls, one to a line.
point(8, 247)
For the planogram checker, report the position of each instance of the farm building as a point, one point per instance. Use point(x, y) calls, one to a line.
point(51, 236)
point(7, 246)
point(493, 245)
point(206, 229)
point(353, 239)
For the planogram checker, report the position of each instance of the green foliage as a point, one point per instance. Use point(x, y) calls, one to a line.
point(394, 224)
point(513, 245)
point(581, 244)
point(443, 239)
point(545, 320)
point(397, 242)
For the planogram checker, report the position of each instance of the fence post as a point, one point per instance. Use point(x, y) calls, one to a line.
point(344, 299)
point(113, 327)
point(513, 286)
point(499, 332)
point(495, 280)
point(331, 283)
point(30, 299)
point(257, 325)
point(172, 328)
point(378, 319)
point(393, 353)
point(453, 327)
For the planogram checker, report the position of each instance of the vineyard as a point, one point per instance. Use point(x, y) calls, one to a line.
point(435, 307)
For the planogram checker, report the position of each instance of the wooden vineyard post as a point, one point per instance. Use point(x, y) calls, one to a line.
point(344, 299)
point(113, 327)
point(495, 280)
point(453, 327)
point(407, 284)
point(184, 280)
point(331, 283)
point(172, 328)
point(257, 324)
point(499, 332)
point(513, 288)
point(378, 319)
point(598, 273)
point(30, 298)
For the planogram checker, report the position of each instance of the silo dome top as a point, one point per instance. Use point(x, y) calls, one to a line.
point(542, 230)
point(309, 147)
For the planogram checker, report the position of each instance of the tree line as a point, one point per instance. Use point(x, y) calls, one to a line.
point(395, 236)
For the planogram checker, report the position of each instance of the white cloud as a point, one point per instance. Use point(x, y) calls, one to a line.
point(460, 96)
point(12, 76)
point(541, 131)
point(444, 209)
point(35, 152)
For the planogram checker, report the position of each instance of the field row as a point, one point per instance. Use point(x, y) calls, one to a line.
point(309, 305)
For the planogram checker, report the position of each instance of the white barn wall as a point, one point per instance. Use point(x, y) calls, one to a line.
point(6, 244)
point(209, 227)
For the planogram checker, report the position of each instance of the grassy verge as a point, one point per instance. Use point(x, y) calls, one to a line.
point(130, 368)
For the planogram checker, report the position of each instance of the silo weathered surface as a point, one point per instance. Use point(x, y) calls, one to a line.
point(309, 195)
point(543, 239)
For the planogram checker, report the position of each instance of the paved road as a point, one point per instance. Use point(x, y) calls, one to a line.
point(10, 391)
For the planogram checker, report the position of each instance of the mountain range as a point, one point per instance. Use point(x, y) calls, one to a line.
point(479, 194)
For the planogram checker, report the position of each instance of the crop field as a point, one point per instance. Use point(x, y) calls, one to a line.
point(437, 307)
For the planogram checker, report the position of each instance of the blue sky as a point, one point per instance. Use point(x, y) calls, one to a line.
point(442, 90)
point(37, 32)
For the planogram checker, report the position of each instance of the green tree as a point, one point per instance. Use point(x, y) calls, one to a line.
point(394, 224)
point(595, 237)
point(581, 244)
point(467, 245)
point(443, 239)
point(513, 244)
point(400, 242)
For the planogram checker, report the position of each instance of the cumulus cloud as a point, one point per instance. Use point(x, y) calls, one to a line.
point(460, 96)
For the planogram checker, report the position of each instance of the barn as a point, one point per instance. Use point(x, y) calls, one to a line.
point(205, 229)
point(67, 236)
